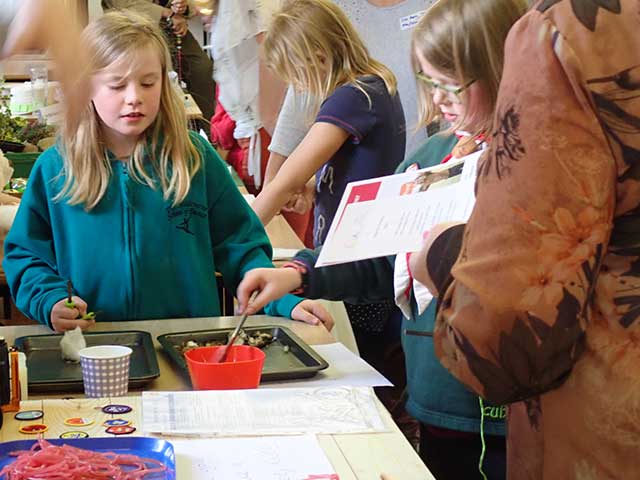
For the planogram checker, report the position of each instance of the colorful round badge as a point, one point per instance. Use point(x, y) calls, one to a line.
point(78, 422)
point(116, 422)
point(74, 434)
point(116, 409)
point(34, 428)
point(124, 430)
point(29, 415)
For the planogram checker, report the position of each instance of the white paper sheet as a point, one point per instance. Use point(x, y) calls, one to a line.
point(271, 458)
point(284, 253)
point(262, 412)
point(387, 215)
point(345, 369)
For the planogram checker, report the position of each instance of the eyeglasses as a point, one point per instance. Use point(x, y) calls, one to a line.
point(453, 91)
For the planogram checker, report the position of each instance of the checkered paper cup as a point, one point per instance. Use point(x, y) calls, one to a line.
point(105, 370)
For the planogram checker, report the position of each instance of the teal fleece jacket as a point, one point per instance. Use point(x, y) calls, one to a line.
point(135, 256)
point(435, 396)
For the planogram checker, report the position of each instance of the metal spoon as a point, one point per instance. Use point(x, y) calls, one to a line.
point(220, 355)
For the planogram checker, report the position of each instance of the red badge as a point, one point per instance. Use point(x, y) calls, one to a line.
point(121, 430)
point(78, 422)
point(34, 428)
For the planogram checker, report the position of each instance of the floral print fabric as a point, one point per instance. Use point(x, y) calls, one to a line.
point(542, 305)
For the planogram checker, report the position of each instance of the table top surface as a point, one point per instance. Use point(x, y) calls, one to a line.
point(354, 456)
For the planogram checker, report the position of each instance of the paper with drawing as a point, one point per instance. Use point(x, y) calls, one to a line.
point(270, 458)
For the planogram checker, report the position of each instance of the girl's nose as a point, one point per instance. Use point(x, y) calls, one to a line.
point(132, 96)
point(439, 97)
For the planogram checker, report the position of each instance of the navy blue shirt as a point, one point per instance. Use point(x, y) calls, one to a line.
point(375, 146)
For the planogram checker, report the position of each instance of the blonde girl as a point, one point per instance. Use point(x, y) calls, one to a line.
point(358, 131)
point(359, 126)
point(131, 208)
point(458, 49)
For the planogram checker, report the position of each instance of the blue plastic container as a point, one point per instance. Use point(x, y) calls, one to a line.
point(145, 447)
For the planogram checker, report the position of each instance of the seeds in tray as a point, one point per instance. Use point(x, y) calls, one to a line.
point(255, 339)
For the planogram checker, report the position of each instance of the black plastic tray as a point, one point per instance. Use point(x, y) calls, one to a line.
point(301, 361)
point(49, 373)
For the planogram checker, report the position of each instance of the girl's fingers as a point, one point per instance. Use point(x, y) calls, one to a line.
point(307, 317)
point(81, 306)
point(260, 301)
point(65, 313)
point(64, 324)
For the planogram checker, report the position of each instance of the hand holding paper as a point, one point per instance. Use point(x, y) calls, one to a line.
point(418, 260)
point(388, 215)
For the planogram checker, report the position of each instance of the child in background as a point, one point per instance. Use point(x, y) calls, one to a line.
point(359, 129)
point(358, 133)
point(457, 54)
point(222, 128)
point(132, 208)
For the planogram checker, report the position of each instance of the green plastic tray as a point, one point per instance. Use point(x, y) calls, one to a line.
point(22, 163)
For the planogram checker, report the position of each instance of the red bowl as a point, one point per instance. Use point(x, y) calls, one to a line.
point(242, 368)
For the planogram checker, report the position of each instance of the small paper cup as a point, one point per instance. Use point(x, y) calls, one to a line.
point(105, 370)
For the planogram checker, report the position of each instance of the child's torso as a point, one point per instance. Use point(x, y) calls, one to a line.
point(372, 153)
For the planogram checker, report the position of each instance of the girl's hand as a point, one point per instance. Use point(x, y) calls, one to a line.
point(295, 202)
point(418, 260)
point(301, 202)
point(272, 283)
point(311, 312)
point(64, 318)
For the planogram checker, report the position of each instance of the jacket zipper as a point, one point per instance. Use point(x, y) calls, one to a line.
point(418, 333)
point(129, 240)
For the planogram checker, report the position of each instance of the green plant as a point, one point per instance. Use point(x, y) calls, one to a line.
point(10, 127)
point(34, 132)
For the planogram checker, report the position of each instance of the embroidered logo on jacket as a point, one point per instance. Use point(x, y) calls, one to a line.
point(183, 214)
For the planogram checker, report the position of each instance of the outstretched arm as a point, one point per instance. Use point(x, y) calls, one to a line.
point(317, 148)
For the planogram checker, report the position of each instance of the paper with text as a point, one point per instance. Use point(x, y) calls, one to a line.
point(387, 215)
point(262, 412)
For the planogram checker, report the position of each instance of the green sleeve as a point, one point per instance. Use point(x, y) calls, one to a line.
point(238, 238)
point(368, 281)
point(365, 281)
point(29, 254)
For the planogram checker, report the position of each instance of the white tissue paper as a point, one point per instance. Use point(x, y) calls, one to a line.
point(8, 205)
point(6, 170)
point(72, 342)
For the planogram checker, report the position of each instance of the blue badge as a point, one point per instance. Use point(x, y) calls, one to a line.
point(29, 415)
point(116, 409)
point(116, 422)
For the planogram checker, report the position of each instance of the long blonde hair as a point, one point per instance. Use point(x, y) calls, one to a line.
point(464, 40)
point(312, 45)
point(166, 143)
